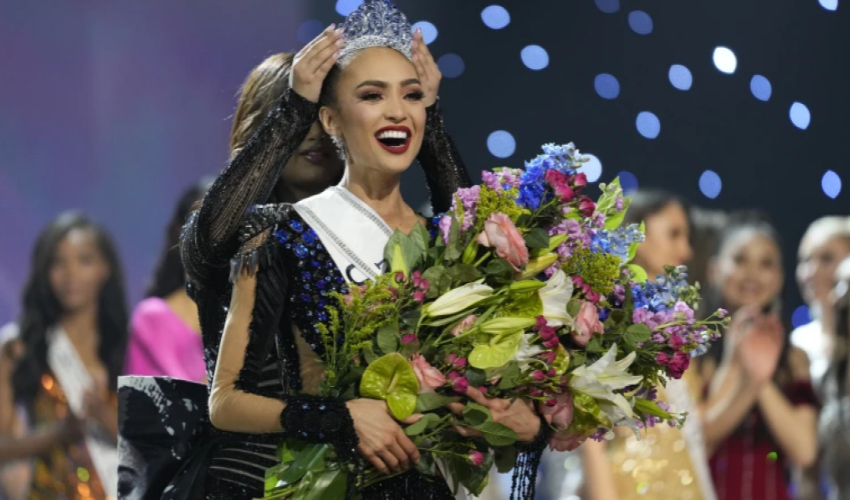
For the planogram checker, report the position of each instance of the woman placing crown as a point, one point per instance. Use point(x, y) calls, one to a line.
point(374, 92)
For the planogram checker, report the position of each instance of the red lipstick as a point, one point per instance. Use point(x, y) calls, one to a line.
point(394, 138)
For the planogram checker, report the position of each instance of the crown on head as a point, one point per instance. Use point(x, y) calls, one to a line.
point(376, 23)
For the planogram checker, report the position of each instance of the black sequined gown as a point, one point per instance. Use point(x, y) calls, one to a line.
point(294, 274)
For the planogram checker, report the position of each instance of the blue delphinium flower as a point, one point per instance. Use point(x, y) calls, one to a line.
point(617, 241)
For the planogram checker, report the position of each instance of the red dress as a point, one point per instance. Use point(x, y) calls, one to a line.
point(749, 464)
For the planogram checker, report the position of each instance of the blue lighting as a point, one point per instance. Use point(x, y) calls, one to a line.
point(760, 87)
point(725, 60)
point(648, 124)
point(801, 316)
point(346, 7)
point(800, 115)
point(680, 77)
point(710, 184)
point(451, 65)
point(429, 31)
point(831, 184)
point(309, 30)
point(606, 86)
point(495, 17)
point(592, 168)
point(608, 6)
point(501, 144)
point(535, 57)
point(640, 22)
point(829, 4)
point(628, 182)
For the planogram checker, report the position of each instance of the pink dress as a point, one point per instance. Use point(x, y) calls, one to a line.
point(161, 344)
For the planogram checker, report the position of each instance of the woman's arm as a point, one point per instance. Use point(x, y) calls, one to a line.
point(730, 399)
point(793, 426)
point(598, 476)
point(440, 159)
point(208, 238)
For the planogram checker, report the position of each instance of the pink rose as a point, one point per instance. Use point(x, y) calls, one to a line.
point(561, 441)
point(476, 458)
point(580, 180)
point(464, 325)
point(408, 338)
point(586, 206)
point(561, 414)
point(499, 232)
point(538, 376)
point(586, 323)
point(429, 377)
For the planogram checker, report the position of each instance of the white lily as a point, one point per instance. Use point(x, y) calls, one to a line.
point(555, 296)
point(602, 378)
point(457, 300)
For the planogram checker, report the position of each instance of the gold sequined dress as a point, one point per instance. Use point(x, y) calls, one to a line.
point(66, 472)
point(666, 463)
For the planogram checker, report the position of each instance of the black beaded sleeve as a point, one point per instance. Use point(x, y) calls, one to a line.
point(441, 162)
point(208, 238)
point(524, 482)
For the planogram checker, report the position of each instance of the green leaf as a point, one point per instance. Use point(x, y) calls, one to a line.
point(639, 273)
point(403, 253)
point(646, 407)
point(454, 249)
point(633, 248)
point(388, 337)
point(573, 307)
point(497, 434)
point(369, 354)
point(475, 377)
point(497, 352)
point(448, 319)
point(505, 458)
point(391, 378)
point(411, 317)
point(511, 376)
point(327, 484)
point(420, 236)
point(537, 238)
point(428, 401)
point(562, 360)
point(419, 427)
point(578, 358)
point(617, 316)
point(479, 476)
point(594, 345)
point(500, 270)
point(475, 414)
point(463, 273)
point(426, 465)
point(639, 332)
point(305, 460)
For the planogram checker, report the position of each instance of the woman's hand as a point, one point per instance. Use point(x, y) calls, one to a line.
point(426, 68)
point(382, 442)
point(759, 350)
point(312, 63)
point(520, 415)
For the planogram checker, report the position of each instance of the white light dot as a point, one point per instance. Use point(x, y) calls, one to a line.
point(761, 88)
point(648, 124)
point(800, 115)
point(535, 57)
point(608, 6)
point(640, 22)
point(501, 144)
point(800, 317)
point(451, 65)
point(429, 31)
point(346, 7)
point(829, 4)
point(309, 30)
point(606, 86)
point(831, 184)
point(592, 168)
point(628, 182)
point(725, 60)
point(710, 184)
point(495, 17)
point(680, 77)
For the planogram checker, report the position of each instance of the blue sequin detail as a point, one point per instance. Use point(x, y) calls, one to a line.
point(309, 238)
point(316, 264)
point(320, 284)
point(281, 236)
point(306, 275)
point(305, 297)
point(307, 286)
point(301, 251)
point(295, 225)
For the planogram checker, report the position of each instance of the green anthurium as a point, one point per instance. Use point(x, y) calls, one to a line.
point(497, 352)
point(391, 378)
point(562, 360)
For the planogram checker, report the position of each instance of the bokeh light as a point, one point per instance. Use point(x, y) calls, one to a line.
point(801, 316)
point(761, 88)
point(495, 17)
point(725, 60)
point(608, 6)
point(640, 22)
point(800, 115)
point(346, 7)
point(606, 86)
point(628, 182)
point(451, 65)
point(501, 144)
point(535, 57)
point(710, 184)
point(680, 77)
point(831, 184)
point(429, 31)
point(648, 125)
point(829, 4)
point(592, 168)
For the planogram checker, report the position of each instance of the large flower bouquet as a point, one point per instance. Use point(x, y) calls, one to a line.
point(524, 290)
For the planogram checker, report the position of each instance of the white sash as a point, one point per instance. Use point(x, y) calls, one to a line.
point(679, 397)
point(74, 379)
point(355, 237)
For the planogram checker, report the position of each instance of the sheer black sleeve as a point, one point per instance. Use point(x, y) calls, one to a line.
point(524, 481)
point(441, 162)
point(208, 239)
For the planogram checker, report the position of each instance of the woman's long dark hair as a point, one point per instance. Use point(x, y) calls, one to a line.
point(648, 202)
point(42, 310)
point(169, 275)
point(761, 224)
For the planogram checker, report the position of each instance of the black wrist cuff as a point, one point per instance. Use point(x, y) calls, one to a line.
point(320, 420)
